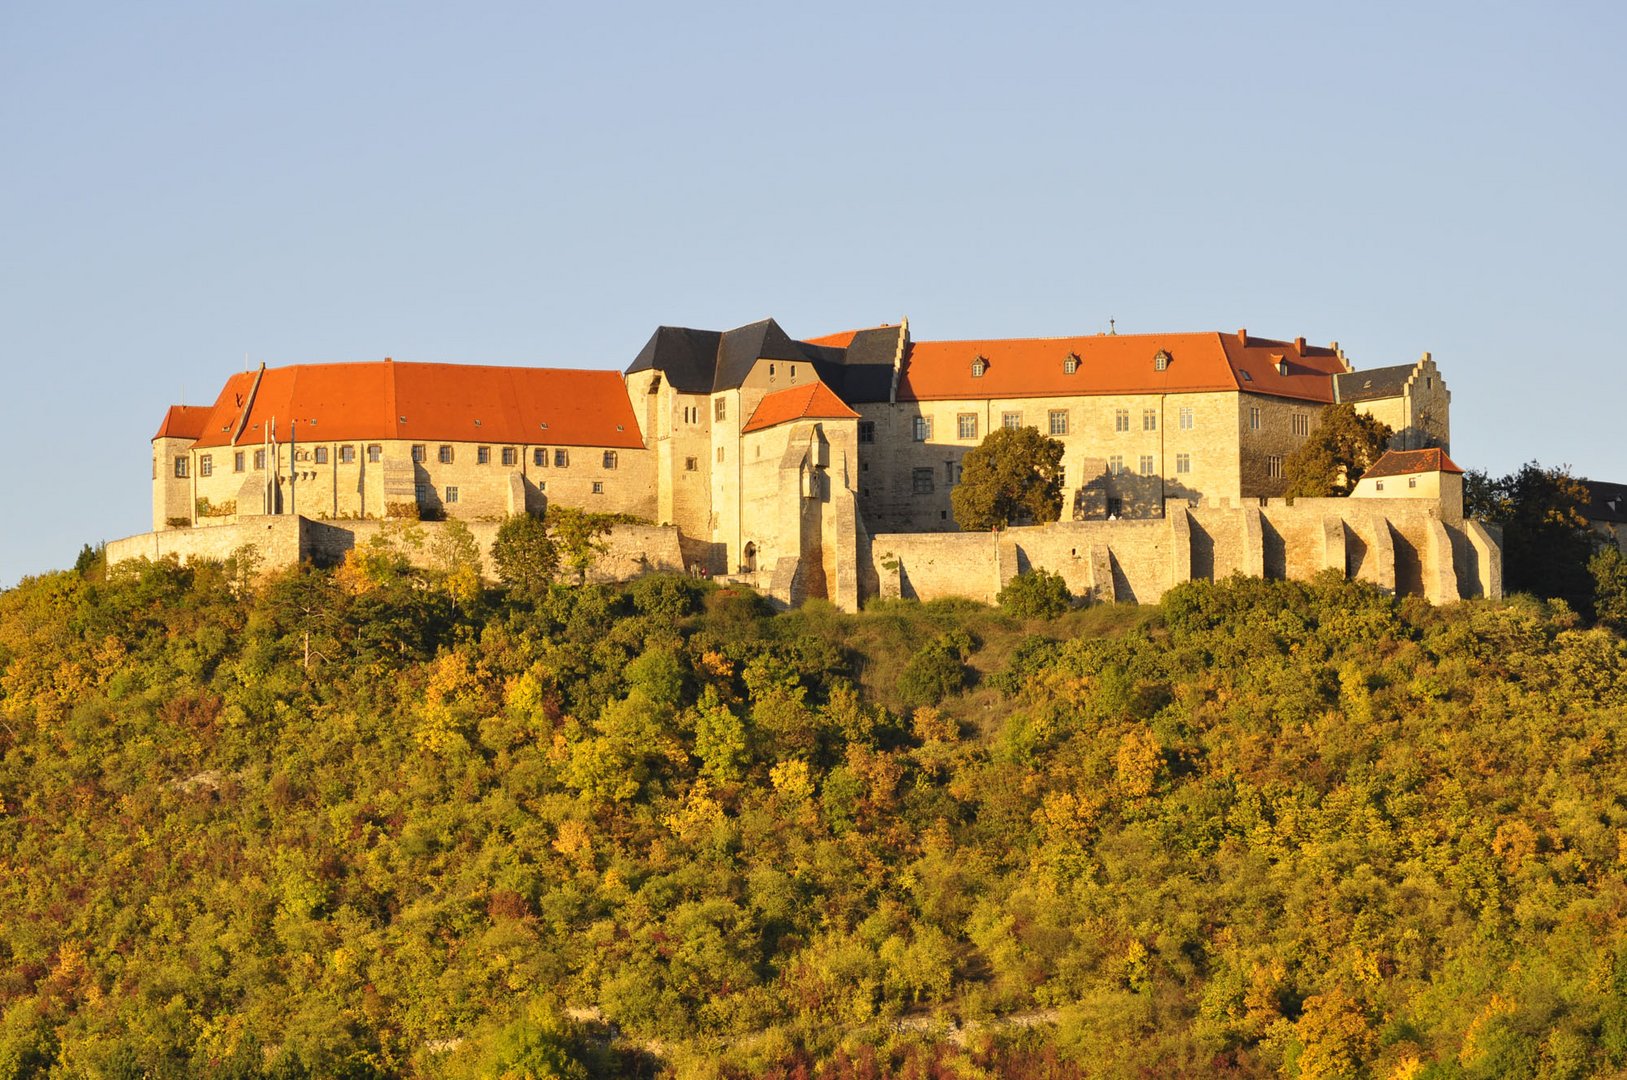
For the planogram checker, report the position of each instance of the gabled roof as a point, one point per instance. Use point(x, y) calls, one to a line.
point(813, 401)
point(1606, 501)
point(688, 358)
point(184, 422)
point(1117, 364)
point(1373, 383)
point(1404, 462)
point(428, 402)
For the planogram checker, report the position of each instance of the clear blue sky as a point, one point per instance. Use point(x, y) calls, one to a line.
point(184, 184)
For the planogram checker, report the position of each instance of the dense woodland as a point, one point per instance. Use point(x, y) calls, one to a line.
point(384, 822)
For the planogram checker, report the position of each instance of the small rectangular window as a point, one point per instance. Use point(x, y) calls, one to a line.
point(1115, 465)
point(1412, 481)
point(375, 452)
point(451, 494)
point(1302, 424)
point(1121, 420)
point(1254, 418)
point(260, 460)
point(922, 479)
point(720, 455)
point(511, 456)
point(867, 431)
point(691, 464)
point(1011, 421)
point(420, 453)
point(181, 472)
point(542, 485)
point(966, 425)
point(562, 459)
point(444, 455)
point(539, 458)
point(206, 465)
point(1273, 466)
point(1186, 418)
point(347, 456)
point(720, 409)
point(1149, 419)
point(321, 456)
point(420, 491)
point(610, 459)
point(1146, 465)
point(922, 428)
point(598, 487)
point(1058, 419)
point(237, 461)
point(482, 455)
point(1183, 463)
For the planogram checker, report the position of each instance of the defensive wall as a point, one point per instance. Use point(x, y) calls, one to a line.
point(283, 540)
point(1401, 545)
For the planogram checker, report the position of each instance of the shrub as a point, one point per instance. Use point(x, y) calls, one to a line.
point(936, 671)
point(1037, 594)
point(525, 556)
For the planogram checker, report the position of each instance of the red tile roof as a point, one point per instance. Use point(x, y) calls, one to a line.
point(843, 338)
point(184, 421)
point(1117, 364)
point(429, 402)
point(812, 401)
point(1402, 462)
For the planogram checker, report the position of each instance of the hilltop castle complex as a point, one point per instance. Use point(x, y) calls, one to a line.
point(823, 467)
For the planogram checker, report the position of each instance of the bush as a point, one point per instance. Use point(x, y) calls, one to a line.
point(525, 556)
point(936, 671)
point(1037, 594)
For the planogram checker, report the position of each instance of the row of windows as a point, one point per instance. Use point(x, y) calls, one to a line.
point(1056, 422)
point(375, 453)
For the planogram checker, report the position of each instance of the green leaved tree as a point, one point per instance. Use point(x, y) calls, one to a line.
point(1342, 446)
point(1013, 475)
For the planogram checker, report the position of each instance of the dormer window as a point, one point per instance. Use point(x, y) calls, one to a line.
point(979, 366)
point(1071, 364)
point(1160, 362)
point(1280, 362)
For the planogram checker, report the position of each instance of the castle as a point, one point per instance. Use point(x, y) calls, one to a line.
point(823, 467)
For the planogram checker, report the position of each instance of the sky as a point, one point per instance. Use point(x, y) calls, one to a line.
point(187, 189)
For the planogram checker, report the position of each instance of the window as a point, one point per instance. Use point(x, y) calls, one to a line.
point(1412, 481)
point(444, 455)
point(598, 487)
point(542, 485)
point(260, 459)
point(966, 425)
point(922, 479)
point(451, 495)
point(1121, 420)
point(610, 459)
point(1071, 364)
point(979, 366)
point(1378, 485)
point(691, 464)
point(206, 465)
point(237, 459)
point(482, 455)
point(1011, 421)
point(720, 409)
point(1186, 418)
point(420, 454)
point(720, 455)
point(923, 428)
point(1115, 506)
point(1254, 417)
point(1183, 463)
point(539, 457)
point(1146, 465)
point(1115, 465)
point(375, 452)
point(867, 431)
point(1301, 423)
point(1273, 466)
point(511, 456)
point(181, 468)
point(347, 456)
point(951, 473)
point(1149, 419)
point(1160, 362)
point(562, 459)
point(1058, 421)
point(321, 457)
point(420, 491)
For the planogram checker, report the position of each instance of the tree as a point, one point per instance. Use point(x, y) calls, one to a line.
point(1014, 474)
point(1344, 444)
point(577, 534)
point(456, 554)
point(525, 556)
point(1609, 569)
point(1036, 594)
point(1546, 540)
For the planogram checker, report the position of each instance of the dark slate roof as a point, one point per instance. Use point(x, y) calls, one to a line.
point(745, 345)
point(1373, 383)
point(866, 371)
point(688, 358)
point(1605, 501)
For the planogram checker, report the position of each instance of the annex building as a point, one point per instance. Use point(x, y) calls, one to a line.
point(792, 463)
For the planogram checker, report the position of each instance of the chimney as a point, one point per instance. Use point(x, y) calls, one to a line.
point(1299, 345)
point(1242, 337)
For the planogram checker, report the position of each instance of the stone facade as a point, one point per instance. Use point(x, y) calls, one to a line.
point(824, 468)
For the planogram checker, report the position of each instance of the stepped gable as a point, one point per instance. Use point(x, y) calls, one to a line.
point(184, 421)
point(1373, 383)
point(1117, 364)
point(425, 402)
point(814, 401)
point(1404, 462)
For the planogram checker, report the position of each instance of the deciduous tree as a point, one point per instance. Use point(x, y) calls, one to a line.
point(1342, 446)
point(1013, 475)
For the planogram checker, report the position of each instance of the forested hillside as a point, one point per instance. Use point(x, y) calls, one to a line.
point(376, 822)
